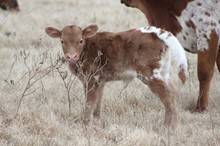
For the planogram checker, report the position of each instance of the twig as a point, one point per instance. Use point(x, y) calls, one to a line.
point(67, 84)
point(32, 73)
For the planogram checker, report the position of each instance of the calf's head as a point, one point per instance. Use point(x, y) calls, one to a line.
point(73, 39)
point(9, 5)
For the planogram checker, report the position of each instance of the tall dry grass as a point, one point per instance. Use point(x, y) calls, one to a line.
point(35, 108)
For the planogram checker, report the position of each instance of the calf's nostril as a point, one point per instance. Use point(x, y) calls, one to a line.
point(68, 56)
point(71, 57)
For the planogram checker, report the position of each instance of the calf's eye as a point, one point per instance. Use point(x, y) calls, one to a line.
point(62, 41)
point(81, 41)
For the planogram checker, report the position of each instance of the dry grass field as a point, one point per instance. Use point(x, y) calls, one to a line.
point(41, 104)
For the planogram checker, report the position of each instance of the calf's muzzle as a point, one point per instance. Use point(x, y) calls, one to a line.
point(72, 57)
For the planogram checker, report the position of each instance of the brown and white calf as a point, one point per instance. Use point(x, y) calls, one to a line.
point(99, 57)
point(196, 24)
point(9, 5)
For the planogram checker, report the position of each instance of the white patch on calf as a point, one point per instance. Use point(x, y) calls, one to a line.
point(163, 73)
point(165, 65)
point(177, 51)
point(127, 74)
point(130, 73)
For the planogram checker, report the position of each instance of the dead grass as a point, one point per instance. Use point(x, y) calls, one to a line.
point(133, 116)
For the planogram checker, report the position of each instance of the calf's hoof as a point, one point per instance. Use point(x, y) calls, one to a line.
point(200, 109)
point(171, 122)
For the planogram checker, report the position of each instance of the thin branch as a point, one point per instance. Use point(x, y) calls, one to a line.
point(32, 76)
point(31, 92)
point(67, 86)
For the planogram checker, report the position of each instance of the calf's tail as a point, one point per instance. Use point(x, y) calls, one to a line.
point(177, 54)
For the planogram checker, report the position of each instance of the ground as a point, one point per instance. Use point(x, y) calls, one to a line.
point(41, 104)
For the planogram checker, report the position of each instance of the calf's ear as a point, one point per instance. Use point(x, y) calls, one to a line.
point(53, 32)
point(90, 31)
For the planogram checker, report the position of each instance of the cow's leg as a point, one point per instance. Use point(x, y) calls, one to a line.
point(93, 101)
point(169, 97)
point(206, 63)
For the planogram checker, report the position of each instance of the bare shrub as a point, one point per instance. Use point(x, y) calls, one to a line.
point(34, 73)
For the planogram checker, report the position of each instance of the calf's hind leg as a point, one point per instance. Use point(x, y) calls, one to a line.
point(169, 97)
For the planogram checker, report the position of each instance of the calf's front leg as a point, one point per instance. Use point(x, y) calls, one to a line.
point(97, 111)
point(93, 94)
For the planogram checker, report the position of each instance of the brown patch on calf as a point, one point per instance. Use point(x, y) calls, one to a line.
point(182, 74)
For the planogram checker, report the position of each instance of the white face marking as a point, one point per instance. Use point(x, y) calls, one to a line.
point(204, 14)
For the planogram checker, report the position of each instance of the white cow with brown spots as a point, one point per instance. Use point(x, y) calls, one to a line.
point(99, 57)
